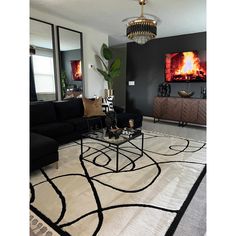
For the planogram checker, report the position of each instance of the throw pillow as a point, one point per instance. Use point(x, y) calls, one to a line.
point(107, 104)
point(93, 107)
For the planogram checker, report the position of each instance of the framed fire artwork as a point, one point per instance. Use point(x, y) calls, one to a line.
point(76, 70)
point(185, 66)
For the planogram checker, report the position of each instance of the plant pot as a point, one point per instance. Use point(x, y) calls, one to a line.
point(109, 92)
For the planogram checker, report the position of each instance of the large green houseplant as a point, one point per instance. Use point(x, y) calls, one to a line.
point(111, 66)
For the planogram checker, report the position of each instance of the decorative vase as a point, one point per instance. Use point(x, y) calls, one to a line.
point(185, 94)
point(109, 93)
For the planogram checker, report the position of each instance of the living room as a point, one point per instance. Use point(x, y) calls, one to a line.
point(161, 191)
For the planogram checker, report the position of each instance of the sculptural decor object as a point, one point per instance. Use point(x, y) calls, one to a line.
point(131, 123)
point(185, 94)
point(111, 125)
point(164, 90)
point(203, 93)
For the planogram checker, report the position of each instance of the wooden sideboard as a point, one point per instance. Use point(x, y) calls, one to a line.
point(183, 110)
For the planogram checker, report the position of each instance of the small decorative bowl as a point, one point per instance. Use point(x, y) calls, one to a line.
point(185, 94)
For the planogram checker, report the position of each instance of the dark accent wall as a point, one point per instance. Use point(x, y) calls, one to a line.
point(146, 66)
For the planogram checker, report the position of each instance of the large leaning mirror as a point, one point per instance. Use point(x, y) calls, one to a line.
point(71, 62)
point(42, 76)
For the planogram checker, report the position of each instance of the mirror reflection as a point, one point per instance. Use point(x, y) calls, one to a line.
point(71, 58)
point(42, 77)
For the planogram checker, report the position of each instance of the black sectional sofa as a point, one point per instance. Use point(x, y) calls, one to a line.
point(43, 151)
point(60, 122)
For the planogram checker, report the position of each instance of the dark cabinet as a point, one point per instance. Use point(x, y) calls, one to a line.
point(174, 107)
point(187, 110)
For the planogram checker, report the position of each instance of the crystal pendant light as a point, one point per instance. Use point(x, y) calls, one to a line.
point(141, 29)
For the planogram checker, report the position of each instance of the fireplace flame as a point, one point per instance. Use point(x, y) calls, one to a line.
point(191, 64)
point(185, 66)
point(78, 71)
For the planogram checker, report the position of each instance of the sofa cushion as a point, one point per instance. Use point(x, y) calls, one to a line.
point(80, 124)
point(93, 107)
point(53, 130)
point(69, 109)
point(118, 109)
point(43, 151)
point(41, 145)
point(41, 113)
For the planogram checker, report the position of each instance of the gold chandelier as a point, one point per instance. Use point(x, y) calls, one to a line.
point(141, 29)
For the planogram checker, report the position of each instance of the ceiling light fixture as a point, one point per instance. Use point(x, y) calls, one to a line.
point(142, 29)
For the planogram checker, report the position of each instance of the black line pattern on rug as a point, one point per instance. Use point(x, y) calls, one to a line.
point(115, 207)
point(90, 179)
point(188, 162)
point(32, 198)
point(197, 148)
point(97, 199)
point(178, 151)
point(136, 190)
point(59, 193)
point(59, 176)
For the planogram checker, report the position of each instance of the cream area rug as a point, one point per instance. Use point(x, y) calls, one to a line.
point(85, 196)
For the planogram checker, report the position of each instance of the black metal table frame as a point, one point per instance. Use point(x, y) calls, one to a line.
point(117, 145)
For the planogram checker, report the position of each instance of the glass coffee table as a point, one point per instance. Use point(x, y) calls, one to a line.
point(99, 135)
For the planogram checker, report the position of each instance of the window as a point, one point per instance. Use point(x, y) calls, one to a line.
point(43, 74)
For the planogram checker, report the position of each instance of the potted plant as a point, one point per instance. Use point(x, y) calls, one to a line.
point(111, 67)
point(64, 83)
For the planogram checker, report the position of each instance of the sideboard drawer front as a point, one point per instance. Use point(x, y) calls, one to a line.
point(160, 107)
point(174, 108)
point(202, 112)
point(190, 110)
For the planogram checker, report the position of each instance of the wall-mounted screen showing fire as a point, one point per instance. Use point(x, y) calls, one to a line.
point(185, 67)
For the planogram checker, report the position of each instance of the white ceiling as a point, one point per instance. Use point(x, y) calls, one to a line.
point(177, 16)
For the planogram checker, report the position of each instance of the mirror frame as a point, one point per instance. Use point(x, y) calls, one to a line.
point(82, 53)
point(54, 53)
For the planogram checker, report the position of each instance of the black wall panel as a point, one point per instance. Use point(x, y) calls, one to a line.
point(146, 66)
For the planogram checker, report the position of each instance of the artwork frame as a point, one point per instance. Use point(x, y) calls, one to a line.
point(185, 66)
point(76, 70)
